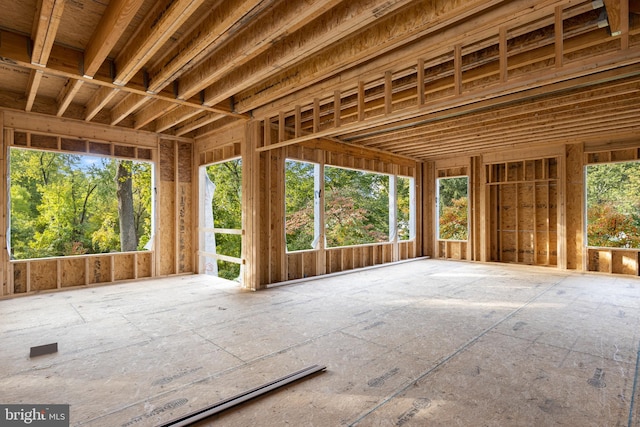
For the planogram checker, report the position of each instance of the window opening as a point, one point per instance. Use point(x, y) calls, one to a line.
point(406, 197)
point(356, 207)
point(613, 205)
point(221, 219)
point(453, 208)
point(302, 191)
point(72, 204)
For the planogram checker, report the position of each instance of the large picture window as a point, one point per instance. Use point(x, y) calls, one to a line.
point(300, 227)
point(405, 194)
point(613, 205)
point(359, 207)
point(71, 204)
point(356, 207)
point(453, 208)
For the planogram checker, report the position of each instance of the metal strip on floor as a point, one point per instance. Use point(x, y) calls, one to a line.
point(243, 397)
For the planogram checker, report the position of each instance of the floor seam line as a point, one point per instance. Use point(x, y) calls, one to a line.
point(634, 388)
point(445, 360)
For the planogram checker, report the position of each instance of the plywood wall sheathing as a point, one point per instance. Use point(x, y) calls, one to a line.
point(125, 266)
point(167, 209)
point(575, 206)
point(73, 272)
point(43, 275)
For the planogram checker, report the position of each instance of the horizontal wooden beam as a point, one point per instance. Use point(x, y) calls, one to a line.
point(159, 25)
point(43, 123)
point(201, 41)
point(113, 23)
point(282, 21)
point(46, 25)
point(65, 63)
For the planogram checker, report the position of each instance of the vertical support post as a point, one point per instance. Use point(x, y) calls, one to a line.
point(504, 58)
point(298, 121)
point(393, 214)
point(361, 101)
point(336, 108)
point(559, 35)
point(420, 83)
point(457, 65)
point(624, 24)
point(316, 115)
point(267, 132)
point(319, 220)
point(176, 206)
point(281, 127)
point(251, 209)
point(562, 213)
point(5, 281)
point(388, 92)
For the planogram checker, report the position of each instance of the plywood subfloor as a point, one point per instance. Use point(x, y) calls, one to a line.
point(428, 342)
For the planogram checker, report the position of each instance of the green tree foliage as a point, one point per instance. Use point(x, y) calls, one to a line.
point(227, 213)
point(299, 205)
point(613, 205)
point(66, 204)
point(403, 192)
point(356, 207)
point(453, 208)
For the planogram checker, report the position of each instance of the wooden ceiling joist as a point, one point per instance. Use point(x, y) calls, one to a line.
point(127, 106)
point(45, 28)
point(113, 24)
point(32, 88)
point(66, 95)
point(351, 70)
point(200, 41)
point(285, 18)
point(159, 25)
point(175, 117)
point(152, 111)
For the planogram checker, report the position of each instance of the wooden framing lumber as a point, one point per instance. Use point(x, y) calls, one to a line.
point(243, 397)
point(200, 41)
point(66, 95)
point(256, 39)
point(160, 24)
point(114, 22)
point(46, 25)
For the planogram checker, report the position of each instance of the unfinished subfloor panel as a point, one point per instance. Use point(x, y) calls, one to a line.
point(427, 342)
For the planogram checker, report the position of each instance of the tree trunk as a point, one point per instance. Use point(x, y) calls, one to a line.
point(128, 237)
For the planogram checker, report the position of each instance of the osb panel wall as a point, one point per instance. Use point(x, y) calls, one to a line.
point(176, 219)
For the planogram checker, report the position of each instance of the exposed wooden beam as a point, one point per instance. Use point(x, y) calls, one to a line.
point(196, 123)
point(437, 41)
point(114, 22)
point(200, 41)
point(100, 98)
point(127, 106)
point(613, 16)
point(176, 116)
point(159, 25)
point(66, 95)
point(385, 34)
point(32, 88)
point(45, 27)
point(151, 112)
point(344, 18)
